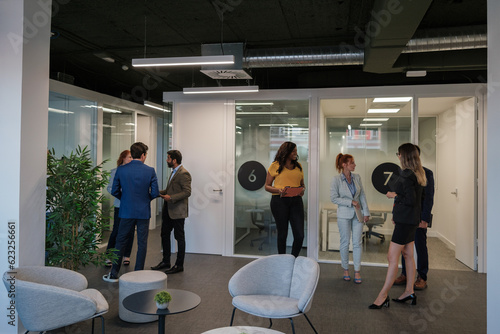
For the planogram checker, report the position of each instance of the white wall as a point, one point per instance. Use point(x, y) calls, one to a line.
point(493, 165)
point(23, 131)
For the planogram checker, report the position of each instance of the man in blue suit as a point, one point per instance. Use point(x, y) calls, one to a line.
point(135, 185)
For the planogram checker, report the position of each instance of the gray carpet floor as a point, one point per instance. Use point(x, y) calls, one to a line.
point(454, 302)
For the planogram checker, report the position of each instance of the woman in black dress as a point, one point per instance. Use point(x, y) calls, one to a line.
point(406, 217)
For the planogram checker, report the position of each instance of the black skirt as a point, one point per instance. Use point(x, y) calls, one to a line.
point(403, 233)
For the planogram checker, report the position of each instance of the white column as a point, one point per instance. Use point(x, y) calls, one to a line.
point(24, 88)
point(493, 165)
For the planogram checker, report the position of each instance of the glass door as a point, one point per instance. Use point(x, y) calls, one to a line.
point(370, 130)
point(261, 128)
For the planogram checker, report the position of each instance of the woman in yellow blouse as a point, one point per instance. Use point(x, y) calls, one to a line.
point(285, 180)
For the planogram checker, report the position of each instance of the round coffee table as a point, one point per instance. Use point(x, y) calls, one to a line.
point(242, 329)
point(143, 303)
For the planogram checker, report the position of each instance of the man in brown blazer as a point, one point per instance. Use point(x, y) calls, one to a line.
point(175, 210)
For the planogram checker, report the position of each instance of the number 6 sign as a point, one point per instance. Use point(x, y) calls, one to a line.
point(252, 175)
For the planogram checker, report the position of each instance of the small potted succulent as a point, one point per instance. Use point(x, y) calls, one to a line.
point(162, 299)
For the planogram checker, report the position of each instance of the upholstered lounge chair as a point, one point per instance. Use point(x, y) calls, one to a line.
point(275, 287)
point(47, 298)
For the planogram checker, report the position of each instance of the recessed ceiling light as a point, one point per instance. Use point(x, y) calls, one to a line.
point(391, 99)
point(284, 124)
point(383, 111)
point(262, 113)
point(371, 124)
point(254, 103)
point(375, 119)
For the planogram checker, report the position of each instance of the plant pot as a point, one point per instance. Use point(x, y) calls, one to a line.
point(162, 306)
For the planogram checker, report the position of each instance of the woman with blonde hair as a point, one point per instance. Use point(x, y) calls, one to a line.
point(347, 192)
point(406, 217)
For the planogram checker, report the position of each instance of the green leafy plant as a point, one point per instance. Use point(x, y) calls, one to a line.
point(75, 219)
point(163, 297)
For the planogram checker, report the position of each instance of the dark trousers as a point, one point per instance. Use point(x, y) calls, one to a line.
point(114, 233)
point(288, 209)
point(167, 226)
point(127, 225)
point(422, 255)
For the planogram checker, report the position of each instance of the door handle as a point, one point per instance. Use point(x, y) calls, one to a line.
point(455, 192)
point(220, 190)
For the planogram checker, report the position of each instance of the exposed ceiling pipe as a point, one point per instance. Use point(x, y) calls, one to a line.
point(463, 38)
point(471, 37)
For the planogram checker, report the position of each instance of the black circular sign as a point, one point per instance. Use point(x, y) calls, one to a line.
point(384, 177)
point(252, 175)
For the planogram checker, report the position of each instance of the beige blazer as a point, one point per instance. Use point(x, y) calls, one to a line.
point(179, 189)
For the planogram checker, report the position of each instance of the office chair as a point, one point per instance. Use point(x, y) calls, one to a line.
point(376, 219)
point(263, 220)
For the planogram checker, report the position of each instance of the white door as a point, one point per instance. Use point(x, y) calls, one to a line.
point(465, 193)
point(199, 130)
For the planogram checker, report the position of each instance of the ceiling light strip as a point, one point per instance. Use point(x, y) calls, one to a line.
point(391, 99)
point(155, 106)
point(375, 119)
point(183, 61)
point(371, 124)
point(382, 111)
point(220, 90)
point(262, 113)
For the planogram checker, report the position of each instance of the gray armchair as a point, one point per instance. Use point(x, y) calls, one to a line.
point(47, 298)
point(275, 287)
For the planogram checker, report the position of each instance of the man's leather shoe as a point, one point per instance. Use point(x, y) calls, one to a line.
point(401, 280)
point(420, 284)
point(161, 265)
point(175, 269)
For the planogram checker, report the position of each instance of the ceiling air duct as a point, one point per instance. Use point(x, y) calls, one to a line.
point(232, 71)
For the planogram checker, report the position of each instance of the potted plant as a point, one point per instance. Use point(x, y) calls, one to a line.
point(162, 299)
point(75, 219)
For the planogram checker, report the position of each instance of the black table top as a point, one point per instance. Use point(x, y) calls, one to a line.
point(143, 302)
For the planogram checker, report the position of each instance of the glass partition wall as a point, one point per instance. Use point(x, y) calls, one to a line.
point(370, 130)
point(261, 127)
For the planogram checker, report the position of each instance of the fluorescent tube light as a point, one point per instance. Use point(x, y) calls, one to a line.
point(284, 124)
point(262, 113)
point(155, 106)
point(219, 90)
point(59, 111)
point(183, 61)
point(254, 103)
point(382, 111)
point(114, 111)
point(391, 99)
point(370, 124)
point(375, 119)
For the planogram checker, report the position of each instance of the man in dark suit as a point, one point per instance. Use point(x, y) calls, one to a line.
point(421, 236)
point(135, 185)
point(175, 210)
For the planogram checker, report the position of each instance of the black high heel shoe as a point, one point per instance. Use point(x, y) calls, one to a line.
point(377, 307)
point(411, 297)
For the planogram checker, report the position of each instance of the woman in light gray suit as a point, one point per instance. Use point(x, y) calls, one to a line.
point(347, 192)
